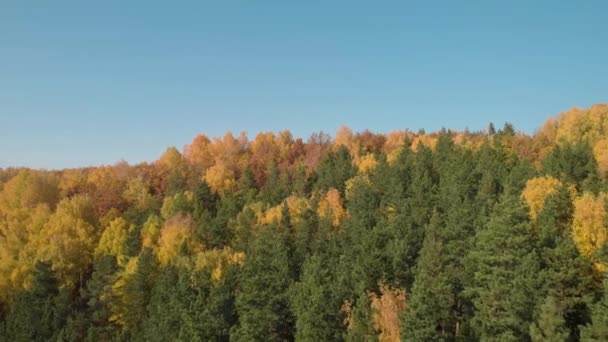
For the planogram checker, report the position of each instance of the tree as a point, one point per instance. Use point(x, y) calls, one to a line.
point(536, 192)
point(37, 314)
point(316, 302)
point(503, 287)
point(69, 239)
point(428, 315)
point(262, 301)
point(360, 321)
point(598, 329)
point(550, 325)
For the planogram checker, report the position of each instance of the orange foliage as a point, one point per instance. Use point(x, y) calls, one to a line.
point(387, 310)
point(600, 151)
point(393, 144)
point(199, 154)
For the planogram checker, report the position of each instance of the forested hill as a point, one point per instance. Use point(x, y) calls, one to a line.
point(492, 236)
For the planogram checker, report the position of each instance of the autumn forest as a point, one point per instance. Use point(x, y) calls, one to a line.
point(491, 235)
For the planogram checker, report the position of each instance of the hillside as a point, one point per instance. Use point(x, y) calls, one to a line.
point(491, 235)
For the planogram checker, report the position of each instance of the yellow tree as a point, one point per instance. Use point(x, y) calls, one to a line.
point(589, 223)
point(387, 309)
point(150, 232)
point(138, 193)
point(28, 189)
point(69, 238)
point(331, 207)
point(536, 192)
point(221, 178)
point(17, 251)
point(600, 151)
point(113, 240)
point(175, 234)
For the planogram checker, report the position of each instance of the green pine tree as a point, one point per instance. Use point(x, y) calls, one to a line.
point(550, 325)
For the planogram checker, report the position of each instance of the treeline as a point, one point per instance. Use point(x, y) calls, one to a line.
point(492, 235)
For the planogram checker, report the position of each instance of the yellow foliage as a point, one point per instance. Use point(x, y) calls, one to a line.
point(423, 139)
point(69, 238)
point(387, 309)
point(114, 238)
point(176, 231)
point(394, 144)
point(536, 192)
point(330, 207)
point(220, 178)
point(216, 260)
point(271, 215)
point(138, 193)
point(150, 232)
point(367, 163)
point(27, 189)
point(120, 302)
point(600, 151)
point(589, 229)
point(18, 247)
point(296, 206)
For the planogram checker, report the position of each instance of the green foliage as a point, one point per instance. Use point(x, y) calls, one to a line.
point(504, 285)
point(182, 249)
point(550, 325)
point(262, 302)
point(598, 329)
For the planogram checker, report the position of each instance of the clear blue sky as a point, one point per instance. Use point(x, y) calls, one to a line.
point(93, 82)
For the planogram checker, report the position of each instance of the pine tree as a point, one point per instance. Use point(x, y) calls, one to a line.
point(428, 316)
point(316, 302)
point(97, 294)
point(37, 315)
point(137, 292)
point(504, 284)
point(262, 299)
point(550, 325)
point(565, 275)
point(598, 329)
point(361, 324)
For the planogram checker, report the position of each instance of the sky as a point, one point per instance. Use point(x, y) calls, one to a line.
point(93, 82)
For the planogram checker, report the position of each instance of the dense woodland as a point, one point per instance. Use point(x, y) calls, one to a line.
point(491, 236)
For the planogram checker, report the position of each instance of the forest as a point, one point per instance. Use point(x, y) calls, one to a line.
point(491, 235)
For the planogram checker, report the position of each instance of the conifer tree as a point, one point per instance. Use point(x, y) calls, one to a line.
point(428, 316)
point(598, 329)
point(262, 299)
point(503, 289)
point(550, 325)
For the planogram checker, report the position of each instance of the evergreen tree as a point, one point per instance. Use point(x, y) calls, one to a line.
point(573, 163)
point(37, 315)
point(262, 299)
point(137, 291)
point(97, 295)
point(316, 302)
point(598, 329)
point(334, 170)
point(427, 317)
point(550, 325)
point(503, 289)
point(565, 275)
point(361, 324)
